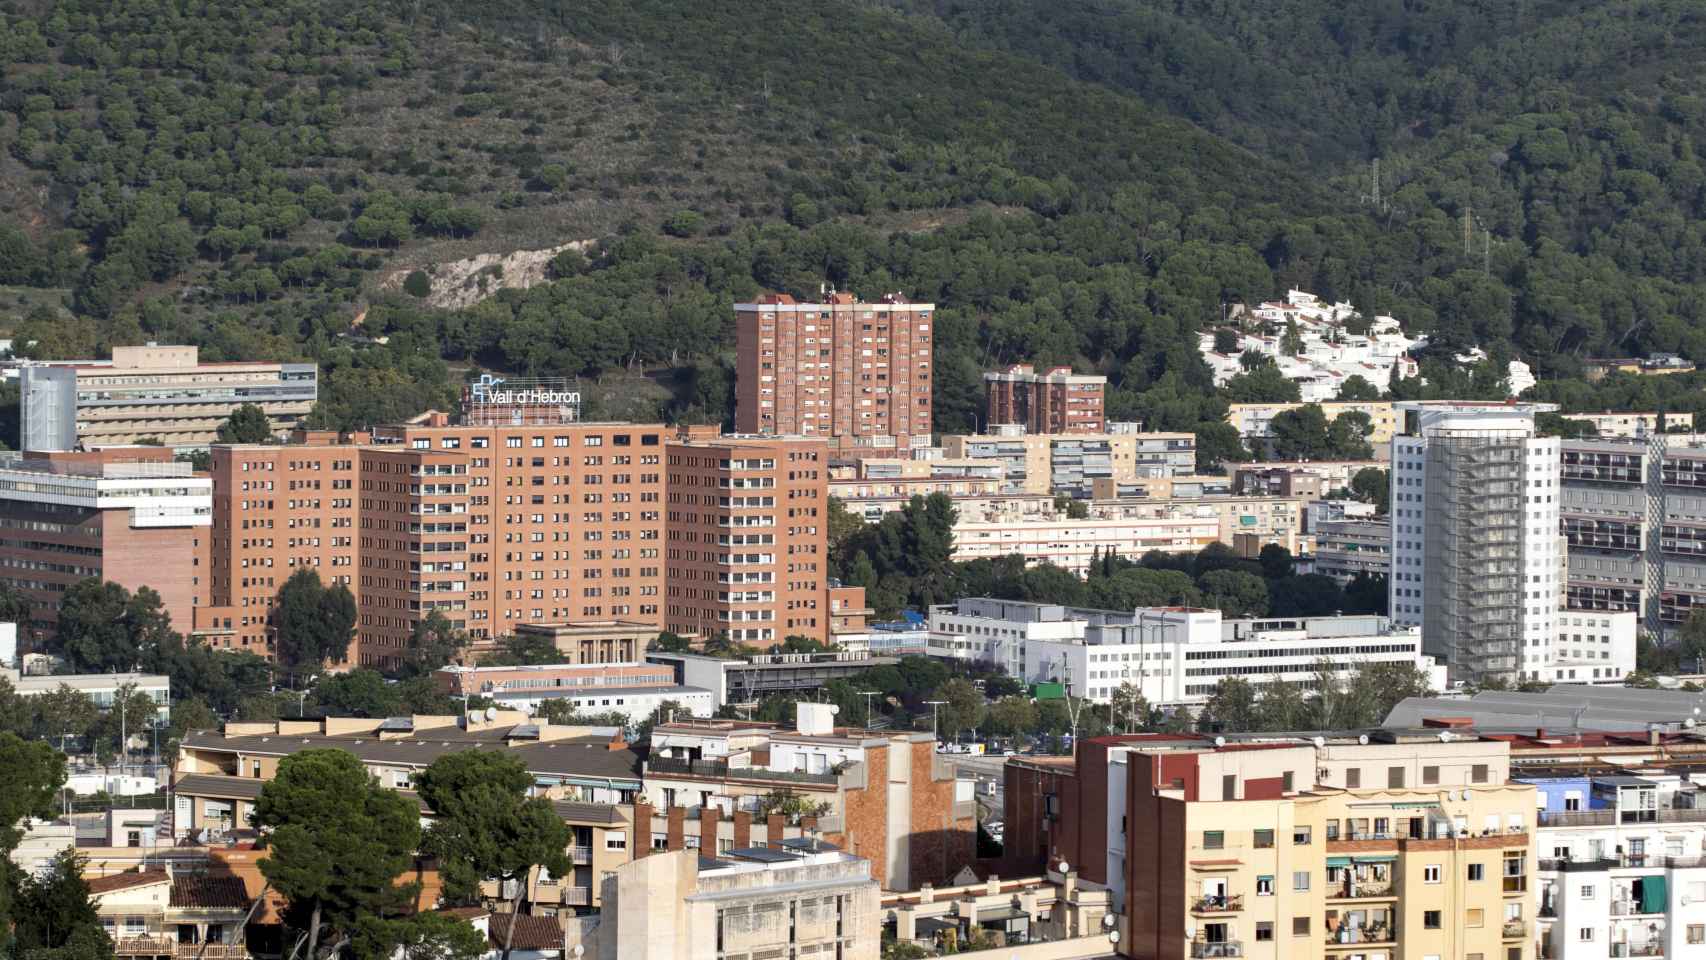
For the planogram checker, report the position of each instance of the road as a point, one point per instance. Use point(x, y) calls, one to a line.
point(984, 770)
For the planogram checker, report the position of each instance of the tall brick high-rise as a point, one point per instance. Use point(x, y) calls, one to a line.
point(1055, 401)
point(855, 373)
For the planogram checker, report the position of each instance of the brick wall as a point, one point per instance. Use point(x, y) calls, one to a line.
point(865, 816)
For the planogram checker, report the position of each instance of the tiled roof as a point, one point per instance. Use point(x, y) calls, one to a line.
point(531, 933)
point(124, 881)
point(202, 891)
point(217, 785)
point(590, 756)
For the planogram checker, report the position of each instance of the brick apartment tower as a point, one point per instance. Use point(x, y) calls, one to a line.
point(499, 525)
point(1054, 402)
point(855, 373)
point(748, 538)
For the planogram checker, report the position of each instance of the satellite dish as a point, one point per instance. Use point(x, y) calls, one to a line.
point(1065, 867)
point(1220, 741)
point(1113, 936)
point(491, 713)
point(1362, 739)
point(1108, 920)
point(1320, 741)
point(577, 950)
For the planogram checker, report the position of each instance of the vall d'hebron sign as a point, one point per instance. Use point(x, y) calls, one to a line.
point(496, 400)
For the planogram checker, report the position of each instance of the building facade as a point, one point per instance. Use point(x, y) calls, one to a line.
point(1055, 401)
point(1050, 463)
point(1254, 421)
point(1275, 847)
point(155, 392)
point(1476, 555)
point(127, 515)
point(636, 690)
point(1347, 548)
point(854, 373)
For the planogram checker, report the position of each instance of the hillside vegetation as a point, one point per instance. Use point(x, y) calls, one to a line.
point(1082, 182)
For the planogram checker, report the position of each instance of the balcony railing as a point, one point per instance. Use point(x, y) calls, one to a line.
point(721, 768)
point(1359, 891)
point(580, 855)
point(577, 896)
point(170, 947)
point(1223, 904)
point(1515, 929)
point(1516, 884)
point(145, 946)
point(1363, 936)
point(1648, 949)
point(1602, 818)
point(1214, 949)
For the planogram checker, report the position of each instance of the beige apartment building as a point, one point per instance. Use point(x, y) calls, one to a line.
point(1050, 463)
point(854, 373)
point(760, 902)
point(155, 392)
point(1275, 846)
point(1254, 421)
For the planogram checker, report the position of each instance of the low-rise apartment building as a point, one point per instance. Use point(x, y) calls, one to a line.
point(1049, 463)
point(1073, 544)
point(1254, 421)
point(883, 795)
point(636, 690)
point(1054, 401)
point(752, 902)
point(162, 913)
point(127, 515)
point(1169, 655)
point(1073, 916)
point(1610, 424)
point(155, 393)
point(1386, 845)
point(103, 689)
point(1346, 548)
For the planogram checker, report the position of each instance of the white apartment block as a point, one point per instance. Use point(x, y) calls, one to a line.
point(1622, 868)
point(1072, 544)
point(1171, 655)
point(1593, 646)
point(1476, 555)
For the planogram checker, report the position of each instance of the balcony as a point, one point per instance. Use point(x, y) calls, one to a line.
point(580, 855)
point(1377, 935)
point(719, 769)
point(145, 946)
point(1603, 818)
point(1515, 929)
point(1651, 948)
point(1370, 890)
point(1226, 904)
point(577, 896)
point(1213, 949)
point(1516, 885)
point(170, 947)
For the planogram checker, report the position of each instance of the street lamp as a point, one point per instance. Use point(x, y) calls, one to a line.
point(302, 697)
point(868, 694)
point(935, 731)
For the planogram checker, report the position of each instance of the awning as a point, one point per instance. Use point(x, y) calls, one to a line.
point(1377, 858)
point(1338, 861)
point(1216, 864)
point(1653, 895)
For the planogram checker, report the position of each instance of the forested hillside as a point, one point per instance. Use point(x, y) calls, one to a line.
point(1071, 181)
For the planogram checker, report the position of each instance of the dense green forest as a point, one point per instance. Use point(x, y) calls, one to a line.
point(1083, 181)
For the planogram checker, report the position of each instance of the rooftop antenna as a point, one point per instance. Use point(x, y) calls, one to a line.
point(1468, 230)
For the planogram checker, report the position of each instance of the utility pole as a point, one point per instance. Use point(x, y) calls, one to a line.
point(868, 694)
point(935, 728)
point(1072, 710)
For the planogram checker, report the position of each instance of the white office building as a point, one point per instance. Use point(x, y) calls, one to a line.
point(1170, 655)
point(1476, 555)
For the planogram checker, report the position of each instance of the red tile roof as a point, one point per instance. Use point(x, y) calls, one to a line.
point(531, 933)
point(203, 891)
point(124, 881)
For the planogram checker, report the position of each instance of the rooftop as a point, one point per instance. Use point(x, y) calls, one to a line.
point(591, 755)
point(1562, 708)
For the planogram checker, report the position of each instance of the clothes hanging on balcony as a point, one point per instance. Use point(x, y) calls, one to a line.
point(1653, 895)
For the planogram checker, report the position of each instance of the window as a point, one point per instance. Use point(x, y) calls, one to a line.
point(1264, 886)
point(1264, 930)
point(1475, 917)
point(1214, 839)
point(1430, 873)
point(1587, 891)
point(1300, 880)
point(1697, 933)
point(1430, 776)
point(1300, 926)
point(1478, 773)
point(1264, 839)
point(1300, 836)
point(1585, 934)
point(1286, 783)
point(1430, 919)
point(1353, 778)
point(1395, 778)
point(615, 840)
point(1229, 787)
point(1477, 871)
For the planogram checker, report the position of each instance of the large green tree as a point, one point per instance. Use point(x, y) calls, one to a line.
point(247, 424)
point(312, 624)
point(337, 842)
point(486, 826)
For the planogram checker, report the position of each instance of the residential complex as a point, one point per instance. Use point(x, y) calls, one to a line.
point(884, 795)
point(1391, 844)
point(1073, 544)
point(1614, 492)
point(1308, 341)
point(1629, 425)
point(1346, 548)
point(129, 515)
point(854, 373)
point(1168, 655)
point(155, 393)
point(1051, 463)
point(1055, 401)
point(1254, 421)
point(1652, 365)
point(1476, 554)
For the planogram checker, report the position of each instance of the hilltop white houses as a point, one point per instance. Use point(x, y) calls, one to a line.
point(1329, 355)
